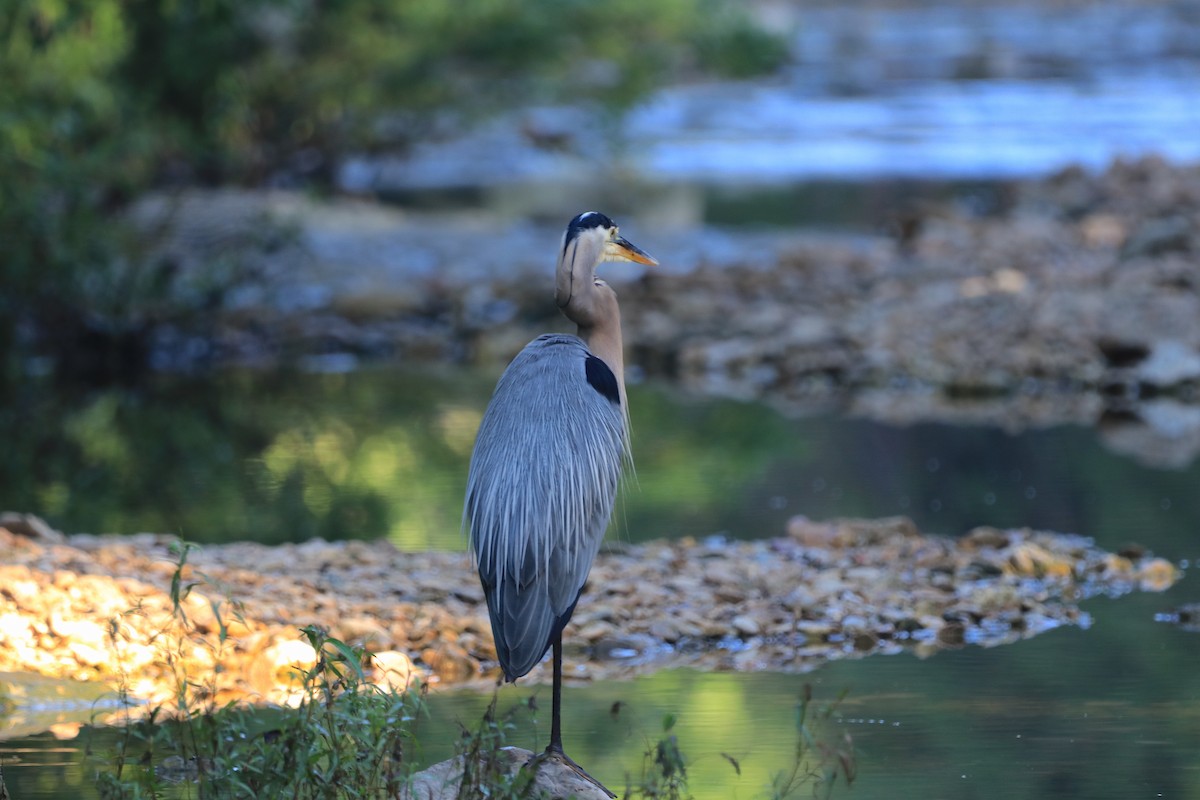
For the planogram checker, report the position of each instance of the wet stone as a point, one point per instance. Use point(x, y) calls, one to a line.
point(828, 589)
point(745, 625)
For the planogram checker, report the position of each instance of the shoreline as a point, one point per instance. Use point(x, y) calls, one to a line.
point(98, 608)
point(1060, 298)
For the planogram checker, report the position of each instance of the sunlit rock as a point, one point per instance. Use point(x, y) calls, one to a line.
point(829, 589)
point(450, 662)
point(394, 669)
point(1157, 575)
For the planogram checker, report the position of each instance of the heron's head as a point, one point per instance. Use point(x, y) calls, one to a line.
point(591, 238)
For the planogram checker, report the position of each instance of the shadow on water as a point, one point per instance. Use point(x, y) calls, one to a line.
point(383, 453)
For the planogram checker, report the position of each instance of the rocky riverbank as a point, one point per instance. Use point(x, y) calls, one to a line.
point(1070, 299)
point(1084, 281)
point(100, 609)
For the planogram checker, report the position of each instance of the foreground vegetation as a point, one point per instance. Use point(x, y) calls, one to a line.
point(350, 738)
point(101, 100)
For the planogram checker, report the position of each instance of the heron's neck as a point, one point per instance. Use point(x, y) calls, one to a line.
point(603, 339)
point(590, 306)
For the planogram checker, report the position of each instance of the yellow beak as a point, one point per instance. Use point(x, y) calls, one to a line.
point(620, 249)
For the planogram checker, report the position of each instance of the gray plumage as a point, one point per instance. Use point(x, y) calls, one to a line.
point(547, 462)
point(541, 489)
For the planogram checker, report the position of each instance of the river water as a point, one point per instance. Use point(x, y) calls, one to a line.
point(875, 89)
point(943, 91)
point(1106, 710)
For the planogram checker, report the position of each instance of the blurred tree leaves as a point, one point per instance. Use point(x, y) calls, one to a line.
point(289, 84)
point(101, 100)
point(64, 154)
point(335, 66)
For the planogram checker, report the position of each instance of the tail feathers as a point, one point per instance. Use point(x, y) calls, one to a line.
point(524, 628)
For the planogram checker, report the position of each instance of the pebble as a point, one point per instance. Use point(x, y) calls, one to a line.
point(828, 589)
point(1040, 290)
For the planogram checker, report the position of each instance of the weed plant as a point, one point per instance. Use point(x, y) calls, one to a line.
point(664, 769)
point(816, 763)
point(349, 738)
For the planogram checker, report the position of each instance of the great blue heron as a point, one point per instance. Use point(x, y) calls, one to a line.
point(547, 462)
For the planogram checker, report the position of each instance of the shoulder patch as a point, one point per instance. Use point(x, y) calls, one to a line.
point(602, 379)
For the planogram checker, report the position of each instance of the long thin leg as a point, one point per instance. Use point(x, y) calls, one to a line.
point(556, 702)
point(554, 750)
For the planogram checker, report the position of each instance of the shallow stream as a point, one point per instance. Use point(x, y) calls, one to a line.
point(1110, 710)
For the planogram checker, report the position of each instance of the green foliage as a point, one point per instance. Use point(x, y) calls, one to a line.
point(486, 772)
point(101, 100)
point(816, 763)
point(664, 769)
point(75, 149)
point(181, 56)
point(63, 154)
point(348, 739)
point(362, 74)
point(739, 49)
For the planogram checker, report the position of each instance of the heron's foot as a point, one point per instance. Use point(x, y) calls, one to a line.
point(556, 754)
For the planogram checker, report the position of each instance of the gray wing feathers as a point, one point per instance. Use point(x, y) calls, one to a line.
point(540, 491)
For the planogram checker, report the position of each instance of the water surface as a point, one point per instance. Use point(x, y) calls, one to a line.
point(384, 452)
point(1112, 710)
point(1108, 712)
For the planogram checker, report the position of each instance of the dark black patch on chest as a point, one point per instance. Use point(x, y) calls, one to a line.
point(602, 379)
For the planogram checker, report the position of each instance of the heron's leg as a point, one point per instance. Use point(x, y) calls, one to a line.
point(555, 749)
point(556, 701)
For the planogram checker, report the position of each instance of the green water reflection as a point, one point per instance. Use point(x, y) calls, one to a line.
point(1110, 711)
point(285, 457)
